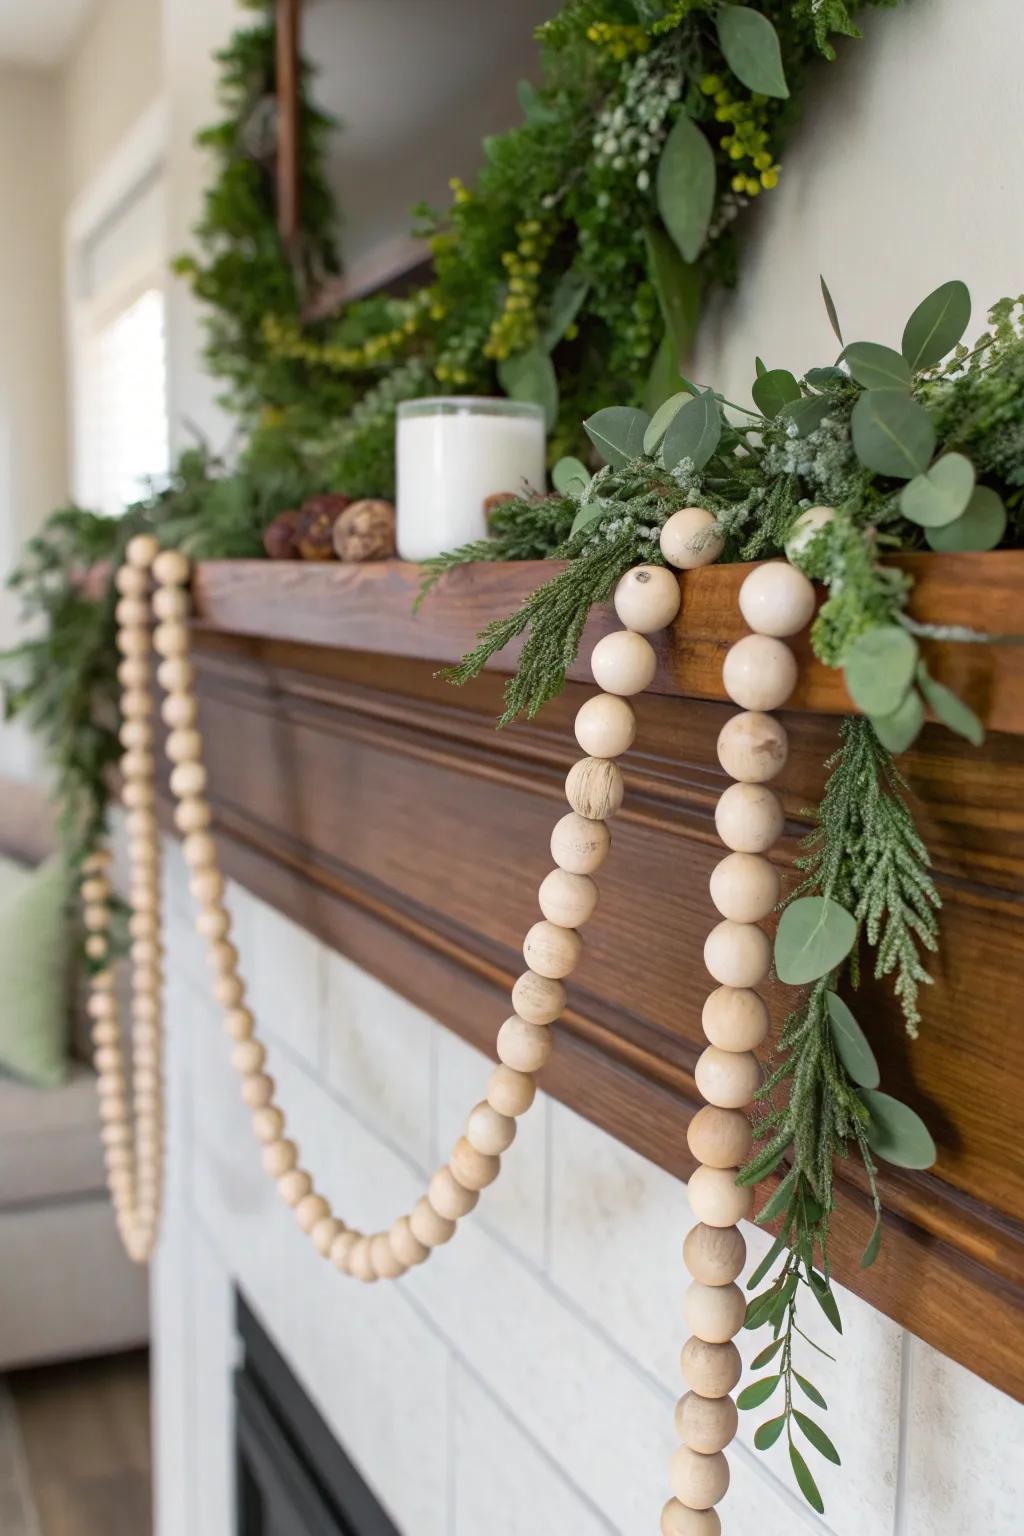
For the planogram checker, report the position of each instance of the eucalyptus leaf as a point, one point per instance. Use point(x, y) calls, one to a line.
point(617, 432)
point(694, 432)
point(533, 109)
point(901, 729)
point(766, 1354)
point(830, 375)
point(875, 366)
point(892, 434)
point(761, 1309)
point(874, 1243)
point(757, 1393)
point(751, 47)
point(817, 1437)
point(566, 302)
point(879, 668)
point(941, 494)
point(569, 474)
point(830, 310)
point(531, 376)
point(663, 379)
point(980, 527)
point(814, 935)
point(851, 1043)
point(779, 1198)
point(808, 413)
point(810, 1390)
point(678, 286)
point(588, 513)
point(774, 389)
point(766, 1263)
point(825, 1299)
point(659, 422)
point(767, 1433)
point(936, 325)
point(759, 368)
point(897, 1133)
point(953, 712)
point(686, 186)
point(805, 1482)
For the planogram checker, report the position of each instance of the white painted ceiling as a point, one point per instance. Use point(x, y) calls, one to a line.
point(38, 33)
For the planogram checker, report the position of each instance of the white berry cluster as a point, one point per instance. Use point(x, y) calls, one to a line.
point(629, 135)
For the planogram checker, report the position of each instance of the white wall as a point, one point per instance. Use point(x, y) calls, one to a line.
point(108, 80)
point(523, 1380)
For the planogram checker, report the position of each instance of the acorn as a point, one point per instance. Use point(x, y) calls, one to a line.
point(279, 536)
point(365, 531)
point(317, 518)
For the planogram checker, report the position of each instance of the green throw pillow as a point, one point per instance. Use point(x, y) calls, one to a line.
point(34, 995)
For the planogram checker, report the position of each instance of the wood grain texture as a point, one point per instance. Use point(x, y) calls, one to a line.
point(369, 608)
point(379, 808)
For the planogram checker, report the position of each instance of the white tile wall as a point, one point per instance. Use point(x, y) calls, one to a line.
point(522, 1382)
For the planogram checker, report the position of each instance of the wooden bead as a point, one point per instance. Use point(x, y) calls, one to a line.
point(647, 598)
point(257, 1089)
point(735, 1019)
point(522, 1046)
point(473, 1169)
point(749, 818)
point(448, 1197)
point(677, 1520)
point(427, 1226)
point(578, 845)
point(311, 1209)
point(170, 603)
point(488, 1131)
point(138, 796)
point(268, 1123)
point(342, 1248)
point(727, 1079)
point(593, 787)
point(737, 954)
point(171, 568)
point(96, 946)
point(744, 887)
point(759, 672)
point(213, 923)
point(223, 958)
point(131, 581)
point(706, 1424)
point(804, 529)
point(176, 675)
point(179, 711)
point(294, 1185)
point(131, 612)
point(207, 886)
point(136, 733)
point(386, 1263)
point(199, 850)
point(405, 1246)
point(142, 550)
point(552, 951)
point(324, 1233)
point(360, 1261)
point(96, 889)
point(720, 1138)
point(192, 815)
point(687, 540)
point(184, 746)
point(777, 599)
point(710, 1369)
point(510, 1092)
point(133, 642)
point(717, 1200)
point(187, 780)
point(238, 1024)
point(136, 704)
point(714, 1255)
point(714, 1312)
point(95, 917)
point(279, 1157)
point(171, 638)
point(133, 672)
point(106, 1032)
point(538, 999)
point(623, 663)
point(753, 747)
point(698, 1481)
point(229, 991)
point(605, 725)
point(567, 900)
point(248, 1057)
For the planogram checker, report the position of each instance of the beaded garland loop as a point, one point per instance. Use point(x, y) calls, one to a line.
point(759, 674)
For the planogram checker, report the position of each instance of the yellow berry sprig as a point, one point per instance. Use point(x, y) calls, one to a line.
point(748, 140)
point(515, 328)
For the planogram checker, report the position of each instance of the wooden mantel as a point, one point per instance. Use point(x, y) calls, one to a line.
point(379, 808)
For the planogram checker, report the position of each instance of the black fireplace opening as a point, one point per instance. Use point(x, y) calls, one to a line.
point(293, 1478)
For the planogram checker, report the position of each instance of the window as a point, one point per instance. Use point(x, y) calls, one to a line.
point(128, 376)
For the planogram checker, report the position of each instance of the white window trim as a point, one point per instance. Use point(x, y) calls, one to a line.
point(139, 157)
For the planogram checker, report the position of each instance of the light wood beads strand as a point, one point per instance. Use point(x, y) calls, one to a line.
point(552, 948)
point(759, 672)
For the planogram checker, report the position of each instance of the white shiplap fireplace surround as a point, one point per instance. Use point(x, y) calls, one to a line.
point(521, 1383)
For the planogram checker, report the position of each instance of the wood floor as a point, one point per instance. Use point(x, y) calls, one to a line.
point(86, 1431)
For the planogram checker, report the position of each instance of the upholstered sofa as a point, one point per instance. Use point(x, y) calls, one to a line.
point(66, 1287)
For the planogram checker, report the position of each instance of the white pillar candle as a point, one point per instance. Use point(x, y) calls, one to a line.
point(453, 453)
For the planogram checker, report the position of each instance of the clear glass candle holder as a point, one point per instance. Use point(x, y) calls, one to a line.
point(453, 452)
